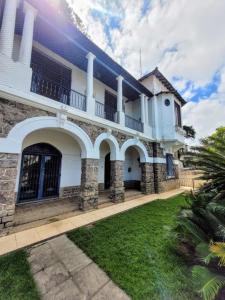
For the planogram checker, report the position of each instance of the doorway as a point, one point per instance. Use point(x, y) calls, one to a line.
point(107, 171)
point(40, 173)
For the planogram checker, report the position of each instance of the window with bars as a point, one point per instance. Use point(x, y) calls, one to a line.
point(169, 165)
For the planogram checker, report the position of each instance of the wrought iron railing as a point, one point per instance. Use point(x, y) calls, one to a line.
point(105, 111)
point(49, 88)
point(133, 123)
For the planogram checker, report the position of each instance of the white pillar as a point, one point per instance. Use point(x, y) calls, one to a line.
point(8, 28)
point(146, 111)
point(142, 96)
point(27, 36)
point(121, 117)
point(155, 117)
point(90, 78)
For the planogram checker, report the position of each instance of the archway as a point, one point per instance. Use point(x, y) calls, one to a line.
point(104, 167)
point(40, 172)
point(132, 169)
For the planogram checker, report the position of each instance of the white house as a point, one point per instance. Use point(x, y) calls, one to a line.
point(73, 122)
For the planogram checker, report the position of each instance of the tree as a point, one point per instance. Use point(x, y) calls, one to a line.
point(189, 131)
point(63, 8)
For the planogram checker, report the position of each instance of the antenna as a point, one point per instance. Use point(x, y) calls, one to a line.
point(140, 63)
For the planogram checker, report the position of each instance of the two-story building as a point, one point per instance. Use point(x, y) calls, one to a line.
point(73, 122)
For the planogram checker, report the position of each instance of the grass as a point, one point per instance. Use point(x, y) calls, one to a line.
point(16, 281)
point(136, 251)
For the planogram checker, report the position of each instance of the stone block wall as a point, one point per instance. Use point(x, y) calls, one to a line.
point(69, 192)
point(117, 181)
point(147, 181)
point(89, 184)
point(8, 174)
point(11, 113)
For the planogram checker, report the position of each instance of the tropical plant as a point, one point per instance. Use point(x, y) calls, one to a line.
point(210, 159)
point(201, 223)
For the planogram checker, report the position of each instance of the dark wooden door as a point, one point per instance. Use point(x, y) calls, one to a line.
point(110, 106)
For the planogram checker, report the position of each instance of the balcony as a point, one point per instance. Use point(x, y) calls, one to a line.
point(105, 111)
point(133, 123)
point(46, 87)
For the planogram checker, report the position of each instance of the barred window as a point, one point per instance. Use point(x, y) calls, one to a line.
point(169, 165)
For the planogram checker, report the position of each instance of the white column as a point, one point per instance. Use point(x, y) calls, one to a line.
point(155, 117)
point(27, 36)
point(90, 78)
point(8, 28)
point(142, 96)
point(121, 116)
point(146, 111)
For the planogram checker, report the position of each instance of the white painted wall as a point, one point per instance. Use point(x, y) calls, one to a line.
point(133, 109)
point(131, 160)
point(71, 158)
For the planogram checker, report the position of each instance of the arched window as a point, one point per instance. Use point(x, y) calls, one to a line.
point(40, 172)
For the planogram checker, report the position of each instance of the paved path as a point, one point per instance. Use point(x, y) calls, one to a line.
point(35, 235)
point(63, 272)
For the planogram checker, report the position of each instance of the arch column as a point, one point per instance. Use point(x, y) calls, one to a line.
point(89, 184)
point(147, 178)
point(8, 173)
point(117, 193)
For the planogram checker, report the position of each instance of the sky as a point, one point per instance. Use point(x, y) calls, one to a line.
point(183, 38)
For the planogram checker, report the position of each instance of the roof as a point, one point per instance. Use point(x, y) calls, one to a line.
point(165, 82)
point(56, 33)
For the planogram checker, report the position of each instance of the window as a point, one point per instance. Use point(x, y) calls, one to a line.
point(178, 114)
point(167, 102)
point(169, 165)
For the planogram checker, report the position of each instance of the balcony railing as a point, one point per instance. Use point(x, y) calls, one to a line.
point(46, 87)
point(133, 123)
point(105, 111)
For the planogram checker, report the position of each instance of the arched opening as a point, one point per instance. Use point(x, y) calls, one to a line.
point(104, 167)
point(132, 169)
point(40, 172)
point(62, 154)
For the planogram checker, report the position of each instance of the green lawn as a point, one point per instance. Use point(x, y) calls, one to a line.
point(16, 282)
point(135, 249)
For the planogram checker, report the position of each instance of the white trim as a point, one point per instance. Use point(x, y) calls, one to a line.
point(159, 160)
point(13, 142)
point(137, 145)
point(113, 144)
point(35, 100)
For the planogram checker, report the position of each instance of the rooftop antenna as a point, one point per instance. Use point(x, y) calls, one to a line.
point(140, 63)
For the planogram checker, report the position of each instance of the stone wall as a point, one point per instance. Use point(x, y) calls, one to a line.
point(69, 192)
point(117, 184)
point(159, 177)
point(147, 178)
point(89, 184)
point(8, 174)
point(12, 113)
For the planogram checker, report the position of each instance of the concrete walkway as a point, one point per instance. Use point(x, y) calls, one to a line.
point(63, 272)
point(35, 235)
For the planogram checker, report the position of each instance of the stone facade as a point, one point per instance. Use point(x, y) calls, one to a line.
point(117, 181)
point(147, 181)
point(11, 113)
point(70, 192)
point(159, 177)
point(89, 184)
point(8, 174)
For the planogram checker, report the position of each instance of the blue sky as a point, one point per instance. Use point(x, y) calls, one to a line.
point(184, 38)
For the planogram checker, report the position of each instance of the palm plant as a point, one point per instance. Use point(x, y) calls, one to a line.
point(210, 159)
point(201, 224)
